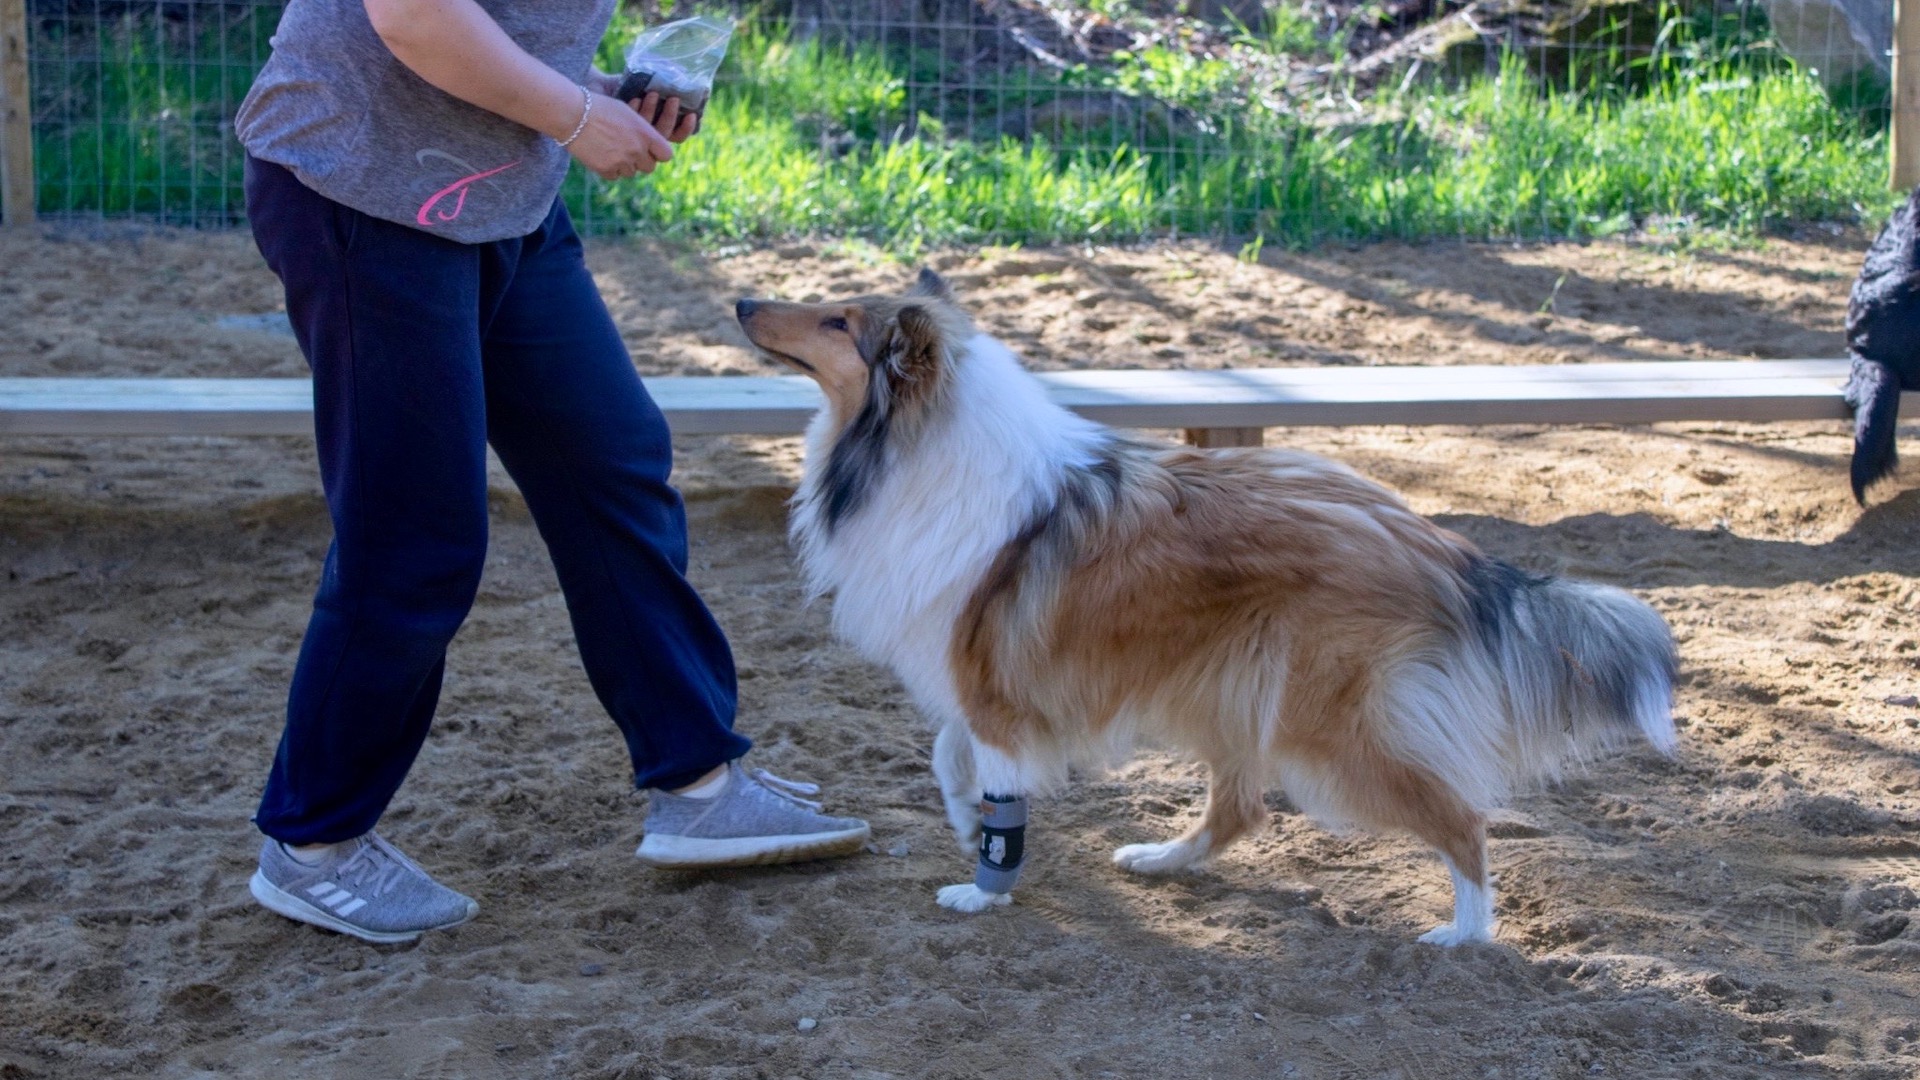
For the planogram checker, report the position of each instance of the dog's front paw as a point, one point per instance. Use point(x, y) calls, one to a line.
point(1450, 934)
point(1155, 858)
point(964, 817)
point(971, 898)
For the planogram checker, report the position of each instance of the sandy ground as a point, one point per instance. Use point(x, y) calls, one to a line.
point(1743, 910)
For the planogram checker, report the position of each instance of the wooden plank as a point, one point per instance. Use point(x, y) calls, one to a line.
point(1210, 400)
point(1398, 396)
point(100, 406)
point(1905, 140)
point(1556, 374)
point(737, 405)
point(1474, 394)
point(1213, 438)
point(59, 406)
point(16, 117)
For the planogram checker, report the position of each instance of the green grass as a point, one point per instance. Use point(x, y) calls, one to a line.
point(1701, 142)
point(1499, 158)
point(133, 115)
point(805, 139)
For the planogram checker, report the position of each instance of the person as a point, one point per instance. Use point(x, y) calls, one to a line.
point(403, 163)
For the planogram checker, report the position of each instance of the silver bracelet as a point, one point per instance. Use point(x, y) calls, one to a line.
point(587, 96)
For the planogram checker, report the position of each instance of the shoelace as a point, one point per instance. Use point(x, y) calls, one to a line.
point(790, 790)
point(374, 868)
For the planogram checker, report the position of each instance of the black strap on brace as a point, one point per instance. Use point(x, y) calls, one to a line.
point(1003, 842)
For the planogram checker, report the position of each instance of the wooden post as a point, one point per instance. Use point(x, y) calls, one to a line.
point(1210, 438)
point(1906, 95)
point(16, 117)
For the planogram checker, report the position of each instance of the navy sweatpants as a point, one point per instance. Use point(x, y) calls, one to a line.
point(423, 352)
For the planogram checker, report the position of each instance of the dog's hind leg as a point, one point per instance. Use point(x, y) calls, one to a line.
point(1459, 833)
point(1472, 909)
point(953, 767)
point(1362, 785)
point(1235, 806)
point(1413, 798)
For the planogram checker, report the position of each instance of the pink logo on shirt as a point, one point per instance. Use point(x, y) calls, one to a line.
point(431, 212)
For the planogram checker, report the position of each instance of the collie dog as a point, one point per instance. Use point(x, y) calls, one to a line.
point(1049, 590)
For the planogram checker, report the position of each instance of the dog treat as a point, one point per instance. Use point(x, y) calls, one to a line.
point(676, 59)
point(1003, 842)
point(634, 85)
point(638, 83)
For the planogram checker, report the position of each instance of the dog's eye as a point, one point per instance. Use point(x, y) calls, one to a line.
point(835, 323)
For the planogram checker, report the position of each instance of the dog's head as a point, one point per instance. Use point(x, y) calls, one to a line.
point(891, 353)
point(884, 362)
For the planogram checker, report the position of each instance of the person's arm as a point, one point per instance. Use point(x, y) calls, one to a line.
point(457, 47)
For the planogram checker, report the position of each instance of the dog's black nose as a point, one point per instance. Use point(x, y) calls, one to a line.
point(745, 308)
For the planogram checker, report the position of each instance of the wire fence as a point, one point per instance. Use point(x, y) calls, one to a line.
point(133, 105)
point(918, 121)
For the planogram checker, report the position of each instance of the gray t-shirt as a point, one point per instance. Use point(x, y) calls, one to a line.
point(337, 108)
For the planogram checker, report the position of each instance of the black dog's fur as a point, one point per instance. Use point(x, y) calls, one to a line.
point(1883, 338)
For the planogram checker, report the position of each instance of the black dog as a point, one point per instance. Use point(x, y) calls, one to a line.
point(1883, 337)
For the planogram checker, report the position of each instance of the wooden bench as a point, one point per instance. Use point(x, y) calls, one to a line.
point(1216, 408)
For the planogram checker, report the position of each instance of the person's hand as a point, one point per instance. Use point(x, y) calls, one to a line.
point(617, 142)
point(666, 117)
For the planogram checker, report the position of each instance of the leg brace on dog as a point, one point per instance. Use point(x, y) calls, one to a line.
point(1003, 841)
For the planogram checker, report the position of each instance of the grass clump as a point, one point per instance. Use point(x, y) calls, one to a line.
point(1500, 158)
point(133, 114)
point(810, 138)
point(1716, 145)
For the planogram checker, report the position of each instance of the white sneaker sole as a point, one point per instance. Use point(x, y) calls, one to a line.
point(279, 901)
point(697, 853)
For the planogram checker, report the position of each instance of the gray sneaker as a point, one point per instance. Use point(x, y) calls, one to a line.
point(365, 888)
point(758, 818)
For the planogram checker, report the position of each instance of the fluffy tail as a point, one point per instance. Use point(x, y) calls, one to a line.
point(1874, 393)
point(1581, 666)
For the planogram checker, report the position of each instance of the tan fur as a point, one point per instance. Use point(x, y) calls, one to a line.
point(1210, 563)
point(797, 335)
point(911, 333)
point(1277, 615)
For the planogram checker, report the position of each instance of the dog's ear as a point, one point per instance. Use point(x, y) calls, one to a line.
point(919, 340)
point(917, 354)
point(932, 286)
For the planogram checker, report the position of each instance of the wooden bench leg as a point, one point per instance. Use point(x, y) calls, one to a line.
point(1212, 437)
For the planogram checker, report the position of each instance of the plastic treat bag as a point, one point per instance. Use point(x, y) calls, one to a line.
point(677, 59)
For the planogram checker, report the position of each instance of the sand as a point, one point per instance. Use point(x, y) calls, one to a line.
point(1745, 909)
